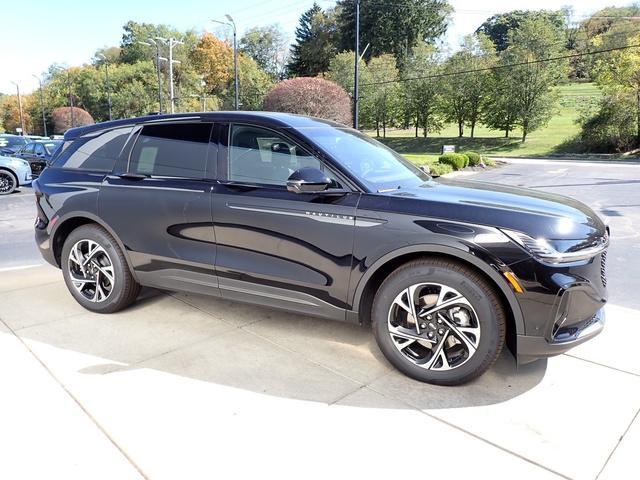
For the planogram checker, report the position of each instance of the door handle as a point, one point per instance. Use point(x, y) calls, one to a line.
point(133, 176)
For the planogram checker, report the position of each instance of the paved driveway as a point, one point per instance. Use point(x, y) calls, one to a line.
point(184, 386)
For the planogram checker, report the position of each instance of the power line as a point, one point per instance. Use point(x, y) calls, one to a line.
point(497, 67)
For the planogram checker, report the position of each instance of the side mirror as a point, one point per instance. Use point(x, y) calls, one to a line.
point(308, 180)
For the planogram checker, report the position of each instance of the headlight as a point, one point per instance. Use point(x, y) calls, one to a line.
point(542, 249)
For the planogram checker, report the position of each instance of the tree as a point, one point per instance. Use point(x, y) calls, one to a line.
point(531, 75)
point(268, 47)
point(381, 98)
point(213, 60)
point(618, 74)
point(316, 40)
point(392, 28)
point(454, 103)
point(422, 96)
point(63, 119)
point(480, 54)
point(255, 83)
point(499, 27)
point(311, 96)
point(501, 112)
point(10, 113)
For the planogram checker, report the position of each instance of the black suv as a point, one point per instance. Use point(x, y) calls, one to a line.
point(309, 216)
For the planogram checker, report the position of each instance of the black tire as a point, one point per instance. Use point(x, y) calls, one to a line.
point(488, 313)
point(124, 289)
point(8, 182)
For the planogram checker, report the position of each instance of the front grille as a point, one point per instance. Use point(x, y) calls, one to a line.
point(603, 268)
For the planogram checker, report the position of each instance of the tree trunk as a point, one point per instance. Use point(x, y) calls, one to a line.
point(473, 127)
point(384, 129)
point(417, 120)
point(377, 129)
point(506, 132)
point(460, 129)
point(638, 116)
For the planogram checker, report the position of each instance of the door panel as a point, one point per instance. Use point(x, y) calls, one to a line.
point(165, 222)
point(274, 246)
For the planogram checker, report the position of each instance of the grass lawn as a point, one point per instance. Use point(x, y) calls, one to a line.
point(545, 141)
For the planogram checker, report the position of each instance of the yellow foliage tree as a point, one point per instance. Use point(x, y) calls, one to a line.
point(213, 59)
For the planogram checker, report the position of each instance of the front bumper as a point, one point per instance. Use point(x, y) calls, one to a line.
point(531, 348)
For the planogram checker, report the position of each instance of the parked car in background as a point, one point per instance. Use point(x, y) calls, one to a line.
point(316, 218)
point(9, 144)
point(38, 153)
point(14, 173)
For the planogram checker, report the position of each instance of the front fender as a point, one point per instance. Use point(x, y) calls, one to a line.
point(478, 257)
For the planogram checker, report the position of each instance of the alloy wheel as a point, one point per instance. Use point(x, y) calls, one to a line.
point(434, 326)
point(91, 270)
point(7, 183)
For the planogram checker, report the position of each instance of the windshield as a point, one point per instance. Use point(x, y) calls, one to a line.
point(376, 165)
point(51, 146)
point(12, 141)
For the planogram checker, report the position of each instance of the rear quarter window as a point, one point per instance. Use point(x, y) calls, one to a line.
point(97, 152)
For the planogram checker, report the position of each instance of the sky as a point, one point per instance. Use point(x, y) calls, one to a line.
point(41, 32)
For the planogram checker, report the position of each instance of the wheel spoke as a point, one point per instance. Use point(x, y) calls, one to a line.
point(459, 300)
point(438, 350)
point(459, 332)
point(107, 271)
point(406, 334)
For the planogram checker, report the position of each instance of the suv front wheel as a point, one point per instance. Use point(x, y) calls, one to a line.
point(438, 321)
point(96, 272)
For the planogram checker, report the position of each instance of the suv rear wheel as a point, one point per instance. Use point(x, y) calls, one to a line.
point(438, 321)
point(96, 272)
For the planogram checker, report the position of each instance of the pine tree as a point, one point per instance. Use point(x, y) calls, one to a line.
point(316, 40)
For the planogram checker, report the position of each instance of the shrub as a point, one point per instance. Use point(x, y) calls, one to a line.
point(438, 169)
point(311, 96)
point(489, 162)
point(62, 120)
point(457, 160)
point(612, 128)
point(474, 158)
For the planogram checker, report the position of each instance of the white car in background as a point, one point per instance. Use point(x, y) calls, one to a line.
point(14, 173)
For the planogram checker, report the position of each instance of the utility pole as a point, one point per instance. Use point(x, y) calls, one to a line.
point(106, 70)
point(149, 43)
point(20, 108)
point(44, 120)
point(232, 24)
point(356, 79)
point(171, 42)
point(73, 118)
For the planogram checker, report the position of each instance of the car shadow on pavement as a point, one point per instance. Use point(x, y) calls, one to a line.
point(255, 349)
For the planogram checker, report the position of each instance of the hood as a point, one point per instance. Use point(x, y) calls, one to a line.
point(536, 213)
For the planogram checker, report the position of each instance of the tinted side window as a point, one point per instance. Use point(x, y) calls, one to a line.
point(29, 149)
point(95, 152)
point(39, 149)
point(173, 150)
point(258, 155)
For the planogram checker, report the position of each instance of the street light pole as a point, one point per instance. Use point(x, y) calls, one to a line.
point(149, 43)
point(106, 70)
point(73, 118)
point(356, 80)
point(44, 120)
point(20, 107)
point(232, 24)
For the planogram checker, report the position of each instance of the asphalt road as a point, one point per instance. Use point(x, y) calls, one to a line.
point(612, 190)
